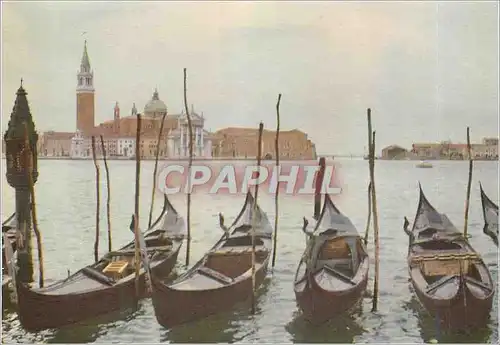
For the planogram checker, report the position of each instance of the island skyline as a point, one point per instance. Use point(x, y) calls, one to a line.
point(427, 70)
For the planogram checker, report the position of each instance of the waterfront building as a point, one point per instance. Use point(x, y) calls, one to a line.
point(487, 149)
point(119, 132)
point(394, 152)
point(79, 149)
point(242, 143)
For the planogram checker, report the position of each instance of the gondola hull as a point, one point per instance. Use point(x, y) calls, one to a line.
point(106, 286)
point(319, 305)
point(332, 274)
point(464, 310)
point(223, 276)
point(175, 307)
point(448, 276)
point(39, 310)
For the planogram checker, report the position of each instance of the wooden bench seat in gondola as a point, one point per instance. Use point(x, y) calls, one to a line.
point(433, 265)
point(116, 269)
point(234, 261)
point(215, 275)
point(336, 272)
point(98, 276)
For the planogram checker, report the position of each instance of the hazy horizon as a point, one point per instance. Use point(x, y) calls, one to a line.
point(427, 70)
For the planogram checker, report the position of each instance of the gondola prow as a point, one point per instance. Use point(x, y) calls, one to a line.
point(306, 223)
point(221, 224)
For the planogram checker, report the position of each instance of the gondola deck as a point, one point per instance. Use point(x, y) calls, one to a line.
point(103, 287)
point(333, 272)
point(222, 277)
point(449, 277)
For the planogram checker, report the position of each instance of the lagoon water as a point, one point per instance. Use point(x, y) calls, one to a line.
point(65, 194)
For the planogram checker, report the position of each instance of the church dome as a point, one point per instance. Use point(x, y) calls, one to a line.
point(155, 105)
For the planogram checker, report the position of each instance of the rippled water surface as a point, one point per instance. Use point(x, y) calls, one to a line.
point(65, 194)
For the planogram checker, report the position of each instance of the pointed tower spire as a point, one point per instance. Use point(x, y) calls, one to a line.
point(20, 121)
point(85, 95)
point(134, 110)
point(85, 64)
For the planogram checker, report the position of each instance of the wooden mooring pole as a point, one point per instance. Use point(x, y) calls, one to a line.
point(371, 143)
point(190, 164)
point(469, 183)
point(108, 190)
point(155, 171)
point(137, 258)
point(367, 229)
point(29, 166)
point(259, 156)
point(276, 195)
point(98, 205)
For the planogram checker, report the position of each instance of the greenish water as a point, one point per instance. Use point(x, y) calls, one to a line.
point(66, 213)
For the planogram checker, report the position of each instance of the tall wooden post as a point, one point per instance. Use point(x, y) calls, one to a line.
point(371, 144)
point(137, 257)
point(276, 196)
point(155, 171)
point(469, 182)
point(98, 202)
point(108, 188)
point(188, 244)
point(254, 206)
point(17, 176)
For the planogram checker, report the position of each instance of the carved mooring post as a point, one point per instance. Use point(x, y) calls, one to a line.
point(17, 175)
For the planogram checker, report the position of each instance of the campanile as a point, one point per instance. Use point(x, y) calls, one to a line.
point(85, 95)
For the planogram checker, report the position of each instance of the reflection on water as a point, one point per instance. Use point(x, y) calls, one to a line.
point(84, 332)
point(72, 184)
point(427, 325)
point(342, 329)
point(227, 327)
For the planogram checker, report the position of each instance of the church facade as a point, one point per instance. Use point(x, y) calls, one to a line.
point(119, 133)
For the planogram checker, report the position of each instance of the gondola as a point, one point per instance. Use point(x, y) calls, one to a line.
point(106, 286)
point(333, 272)
point(448, 276)
point(222, 277)
point(490, 215)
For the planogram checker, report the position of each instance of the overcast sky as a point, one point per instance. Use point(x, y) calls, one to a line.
point(426, 69)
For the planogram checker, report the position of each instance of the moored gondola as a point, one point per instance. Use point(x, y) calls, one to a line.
point(333, 272)
point(222, 277)
point(105, 286)
point(449, 277)
point(490, 215)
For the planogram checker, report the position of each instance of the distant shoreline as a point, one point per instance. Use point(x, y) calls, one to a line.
point(166, 159)
point(250, 159)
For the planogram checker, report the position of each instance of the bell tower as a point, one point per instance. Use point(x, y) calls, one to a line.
point(116, 119)
point(85, 95)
